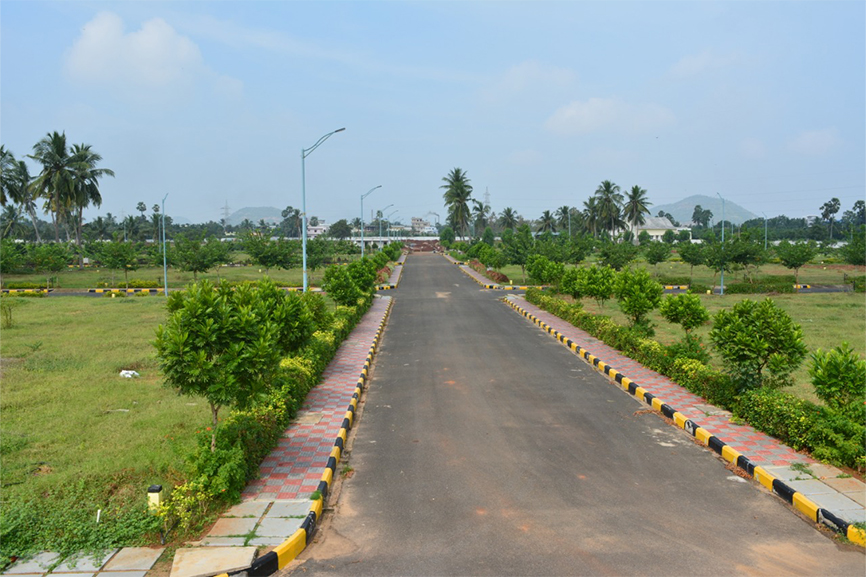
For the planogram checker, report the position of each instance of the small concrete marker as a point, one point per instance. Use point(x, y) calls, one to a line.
point(209, 561)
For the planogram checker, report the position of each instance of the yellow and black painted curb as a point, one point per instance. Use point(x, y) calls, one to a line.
point(676, 287)
point(799, 501)
point(288, 550)
point(802, 286)
point(386, 287)
point(128, 291)
point(16, 291)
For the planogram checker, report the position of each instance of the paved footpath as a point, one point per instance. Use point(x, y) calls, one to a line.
point(827, 486)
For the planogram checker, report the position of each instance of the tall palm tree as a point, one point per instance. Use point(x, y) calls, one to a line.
point(609, 206)
point(591, 215)
point(508, 218)
point(16, 186)
point(563, 214)
point(636, 206)
point(547, 223)
point(458, 194)
point(86, 184)
point(56, 181)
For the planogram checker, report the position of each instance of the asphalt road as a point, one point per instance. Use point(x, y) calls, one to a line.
point(486, 448)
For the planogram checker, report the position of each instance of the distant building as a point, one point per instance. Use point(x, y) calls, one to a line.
point(657, 226)
point(314, 231)
point(811, 219)
point(419, 224)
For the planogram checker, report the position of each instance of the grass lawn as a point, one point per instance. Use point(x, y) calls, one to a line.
point(827, 319)
point(67, 414)
point(90, 277)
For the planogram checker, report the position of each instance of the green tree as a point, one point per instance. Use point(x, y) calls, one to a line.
point(609, 206)
point(692, 254)
point(544, 271)
point(508, 218)
point(447, 235)
point(458, 195)
point(644, 238)
point(795, 255)
point(669, 237)
point(617, 255)
point(854, 252)
point(547, 222)
point(86, 178)
point(685, 310)
point(488, 238)
point(218, 343)
point(656, 252)
point(754, 336)
point(190, 254)
point(839, 378)
point(119, 255)
point(340, 286)
point(828, 212)
point(15, 184)
point(636, 206)
point(517, 247)
point(56, 180)
point(637, 294)
point(340, 229)
point(716, 256)
point(597, 282)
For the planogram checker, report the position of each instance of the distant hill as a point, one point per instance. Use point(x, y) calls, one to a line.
point(270, 215)
point(683, 210)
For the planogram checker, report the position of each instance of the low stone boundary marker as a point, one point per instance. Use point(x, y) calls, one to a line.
point(127, 291)
point(793, 497)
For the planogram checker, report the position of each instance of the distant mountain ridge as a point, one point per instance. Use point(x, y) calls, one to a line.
point(269, 214)
point(684, 209)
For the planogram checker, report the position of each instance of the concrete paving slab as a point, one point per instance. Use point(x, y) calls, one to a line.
point(39, 564)
point(858, 497)
point(308, 417)
point(83, 563)
point(822, 471)
point(295, 508)
point(232, 527)
point(278, 527)
point(853, 516)
point(73, 574)
point(835, 502)
point(810, 487)
point(846, 485)
point(133, 559)
point(266, 541)
point(248, 509)
point(122, 573)
point(785, 473)
point(223, 542)
point(208, 561)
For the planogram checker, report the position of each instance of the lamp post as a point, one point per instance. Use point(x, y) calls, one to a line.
point(379, 218)
point(765, 231)
point(388, 220)
point(305, 152)
point(363, 196)
point(722, 292)
point(164, 259)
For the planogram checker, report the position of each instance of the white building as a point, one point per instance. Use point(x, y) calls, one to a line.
point(657, 226)
point(314, 231)
point(419, 224)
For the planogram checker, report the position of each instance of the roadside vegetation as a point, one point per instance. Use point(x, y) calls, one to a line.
point(79, 441)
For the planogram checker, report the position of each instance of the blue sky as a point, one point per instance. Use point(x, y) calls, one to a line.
point(211, 102)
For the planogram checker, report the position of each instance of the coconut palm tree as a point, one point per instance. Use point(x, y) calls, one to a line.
point(563, 218)
point(56, 181)
point(547, 223)
point(508, 218)
point(636, 206)
point(609, 201)
point(591, 215)
point(458, 194)
point(16, 186)
point(86, 184)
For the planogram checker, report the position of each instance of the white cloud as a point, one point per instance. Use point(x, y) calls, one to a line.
point(695, 64)
point(753, 148)
point(154, 59)
point(814, 142)
point(596, 114)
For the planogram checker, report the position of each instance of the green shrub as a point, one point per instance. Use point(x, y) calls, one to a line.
point(690, 347)
point(673, 280)
point(685, 310)
point(754, 336)
point(340, 285)
point(637, 295)
point(839, 378)
point(24, 285)
point(141, 283)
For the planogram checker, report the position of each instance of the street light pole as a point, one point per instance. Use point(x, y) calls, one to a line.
point(363, 196)
point(164, 259)
point(305, 152)
point(722, 293)
point(388, 219)
point(765, 231)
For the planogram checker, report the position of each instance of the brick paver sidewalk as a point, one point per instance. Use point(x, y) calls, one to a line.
point(760, 448)
point(294, 468)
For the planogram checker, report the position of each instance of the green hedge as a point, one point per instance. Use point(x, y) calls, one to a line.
point(827, 434)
